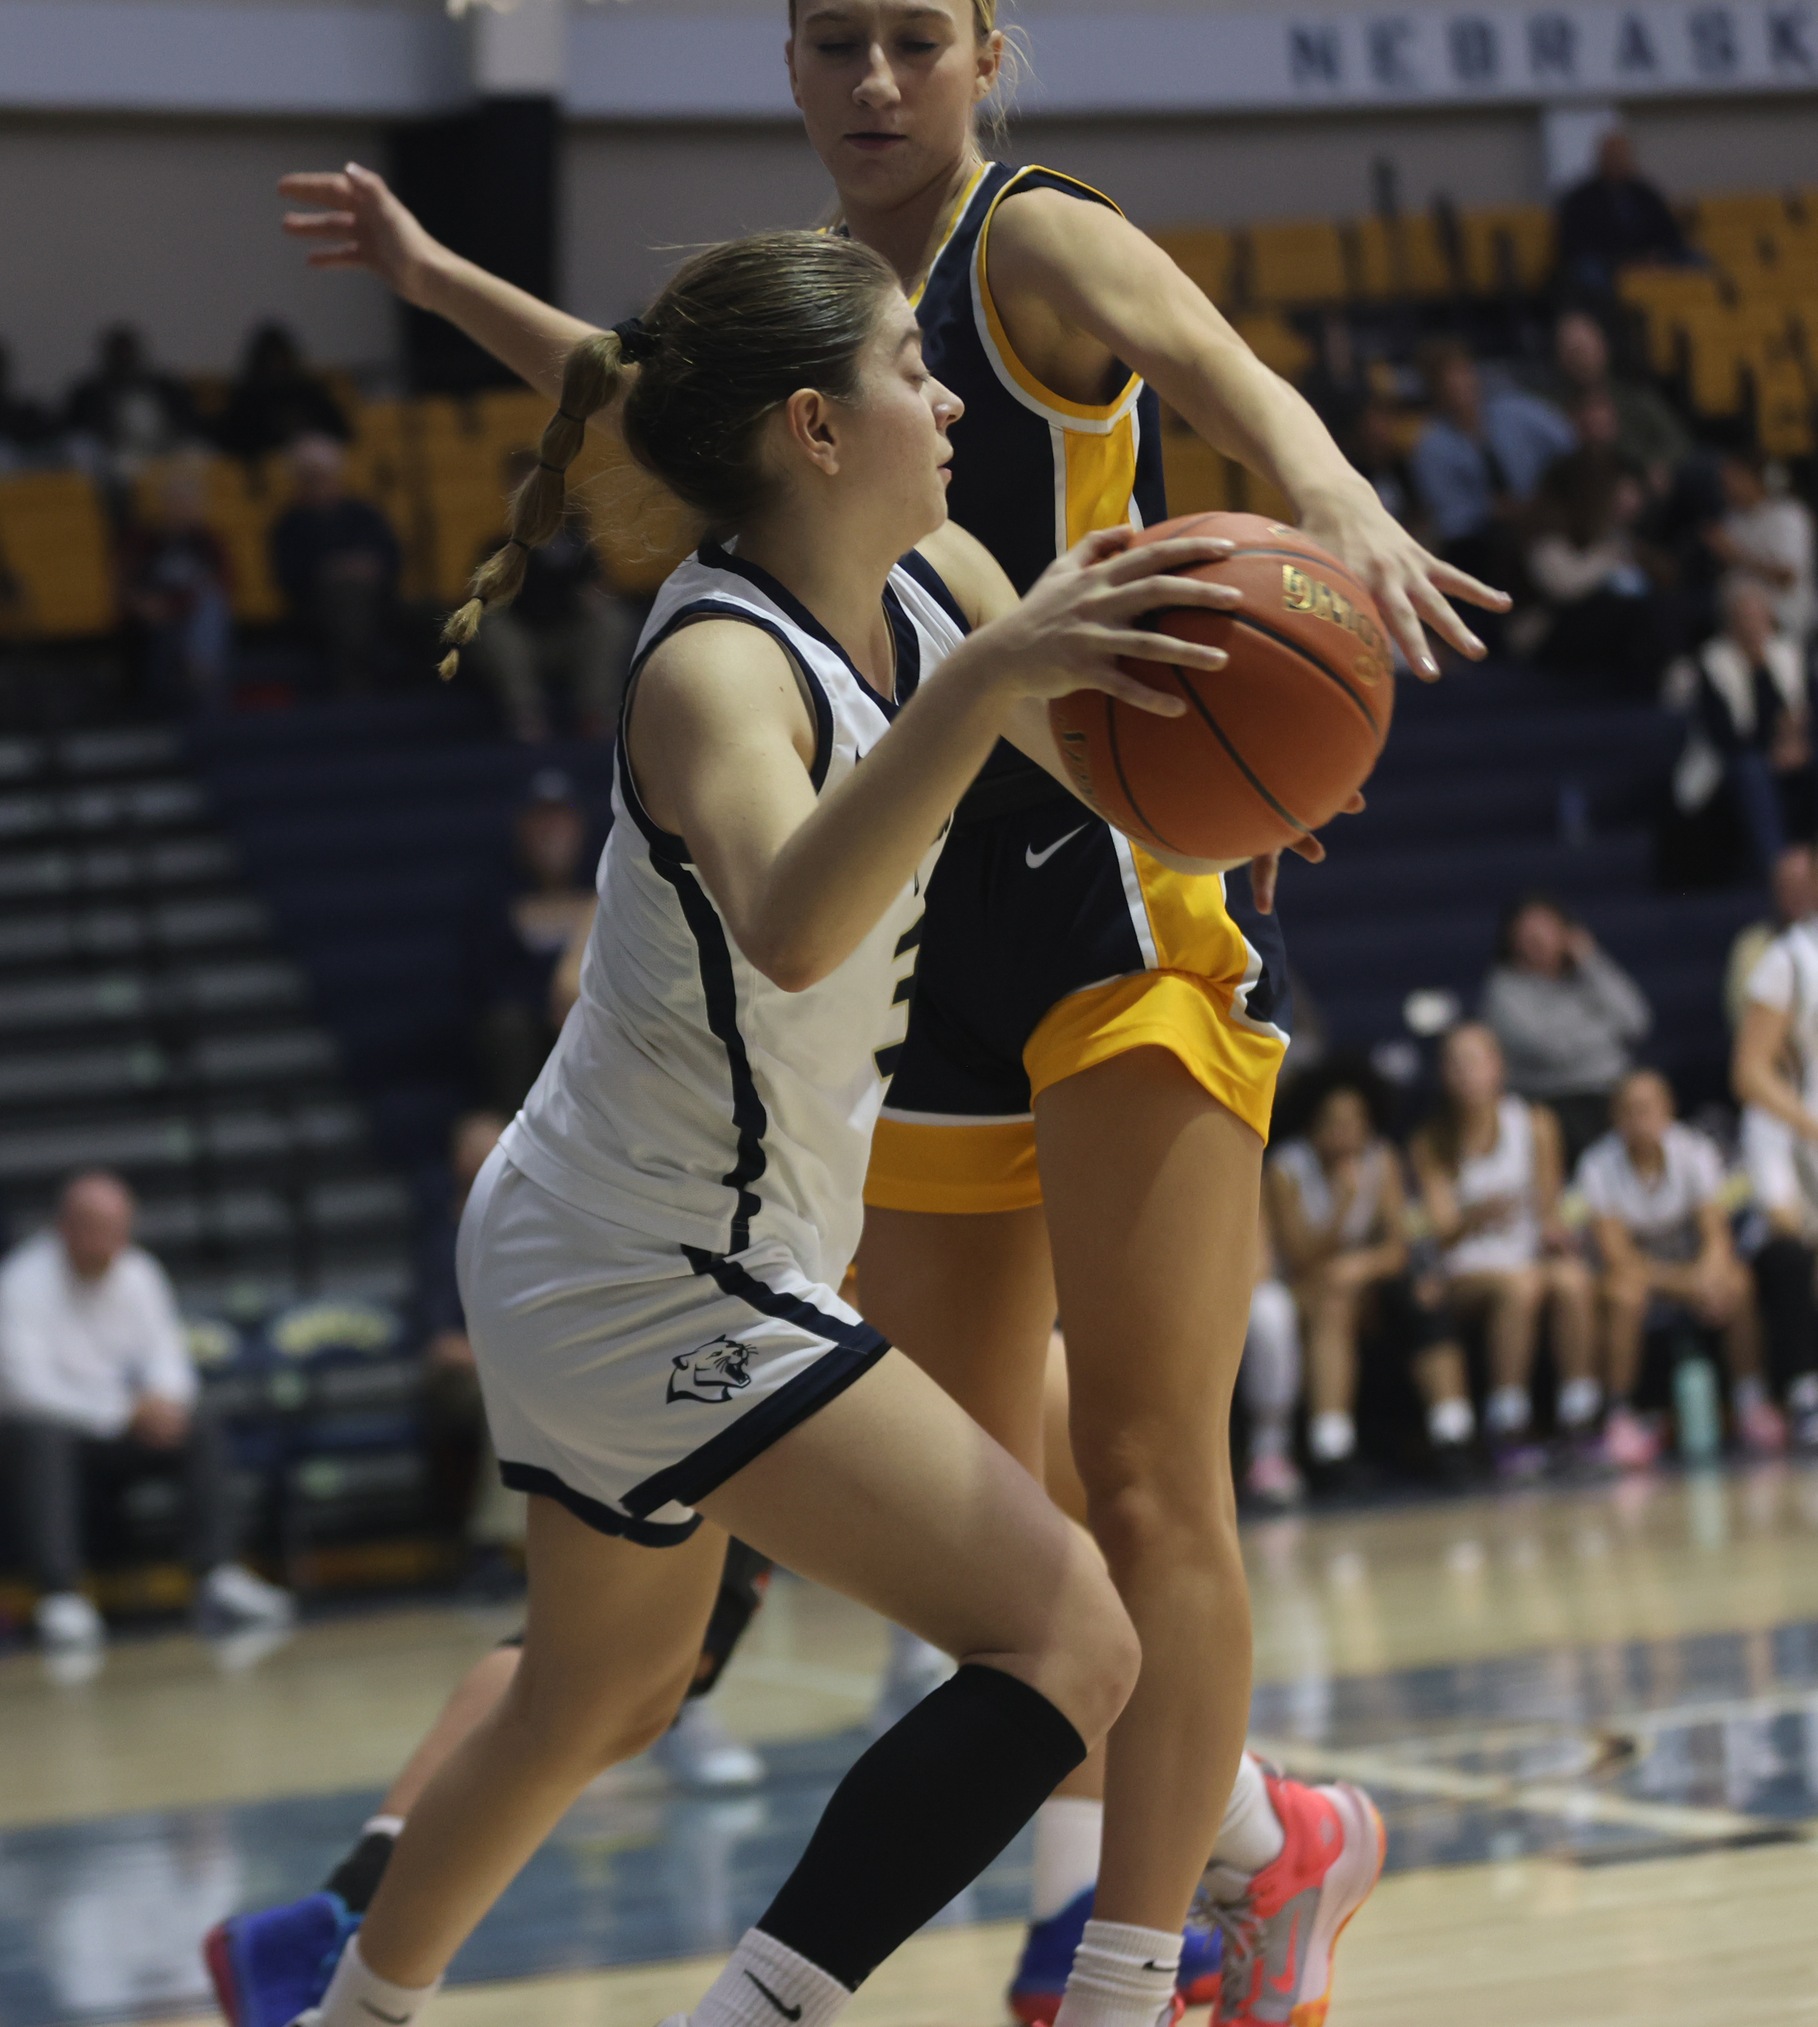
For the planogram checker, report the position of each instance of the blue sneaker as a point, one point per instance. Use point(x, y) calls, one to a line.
point(268, 1967)
point(1041, 1976)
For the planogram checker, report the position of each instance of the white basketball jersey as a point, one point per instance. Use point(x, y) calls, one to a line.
point(1505, 1172)
point(688, 1096)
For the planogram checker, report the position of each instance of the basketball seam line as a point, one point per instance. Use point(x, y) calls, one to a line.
point(1281, 640)
point(1237, 759)
point(1123, 780)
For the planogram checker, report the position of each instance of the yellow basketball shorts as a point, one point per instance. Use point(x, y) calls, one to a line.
point(1052, 944)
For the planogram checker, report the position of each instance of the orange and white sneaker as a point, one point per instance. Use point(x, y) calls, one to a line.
point(1282, 1924)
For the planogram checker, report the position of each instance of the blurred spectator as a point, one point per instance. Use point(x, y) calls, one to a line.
point(1749, 693)
point(516, 941)
point(1604, 622)
point(466, 1509)
point(126, 410)
point(337, 560)
point(1490, 1168)
point(1479, 458)
point(1775, 1077)
point(564, 631)
point(96, 1386)
point(1765, 533)
point(275, 399)
point(1567, 1016)
point(1271, 1377)
point(1615, 219)
point(1647, 433)
point(1654, 1192)
point(1374, 445)
point(175, 586)
point(1793, 886)
point(25, 425)
point(1337, 1213)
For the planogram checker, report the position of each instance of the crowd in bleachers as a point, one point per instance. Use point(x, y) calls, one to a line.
point(1609, 409)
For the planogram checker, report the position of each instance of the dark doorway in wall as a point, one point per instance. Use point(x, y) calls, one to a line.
point(484, 183)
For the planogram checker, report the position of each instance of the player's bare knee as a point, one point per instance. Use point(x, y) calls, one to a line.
point(1090, 1656)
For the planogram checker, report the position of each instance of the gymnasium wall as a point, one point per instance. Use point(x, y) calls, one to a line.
point(172, 221)
point(172, 224)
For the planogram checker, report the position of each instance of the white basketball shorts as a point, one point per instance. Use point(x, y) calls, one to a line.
point(626, 1376)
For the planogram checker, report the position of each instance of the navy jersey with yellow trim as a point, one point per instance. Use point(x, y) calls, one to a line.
point(1032, 471)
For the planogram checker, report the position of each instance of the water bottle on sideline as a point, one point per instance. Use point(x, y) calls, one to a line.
point(1696, 1412)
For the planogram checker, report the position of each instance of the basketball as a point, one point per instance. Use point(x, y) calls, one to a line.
point(1274, 744)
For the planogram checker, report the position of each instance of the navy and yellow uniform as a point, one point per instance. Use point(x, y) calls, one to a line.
point(1051, 943)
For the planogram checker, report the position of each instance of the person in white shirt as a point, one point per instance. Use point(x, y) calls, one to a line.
point(96, 1382)
point(1654, 1191)
point(1766, 533)
point(1775, 1076)
point(1490, 1167)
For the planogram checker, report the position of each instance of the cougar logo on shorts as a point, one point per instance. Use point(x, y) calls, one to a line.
point(714, 1373)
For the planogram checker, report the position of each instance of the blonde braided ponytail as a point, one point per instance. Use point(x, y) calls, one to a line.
point(590, 377)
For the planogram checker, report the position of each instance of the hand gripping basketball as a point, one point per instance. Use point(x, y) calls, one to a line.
point(1274, 743)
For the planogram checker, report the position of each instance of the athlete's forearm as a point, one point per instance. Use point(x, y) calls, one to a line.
point(1240, 407)
point(840, 871)
point(520, 331)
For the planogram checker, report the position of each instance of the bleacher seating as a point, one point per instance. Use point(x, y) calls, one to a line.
point(367, 828)
point(1498, 781)
point(148, 1023)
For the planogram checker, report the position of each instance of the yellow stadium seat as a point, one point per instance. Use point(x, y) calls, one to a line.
point(1739, 212)
point(1205, 256)
point(1199, 478)
point(1400, 257)
point(1297, 261)
point(56, 557)
point(1507, 245)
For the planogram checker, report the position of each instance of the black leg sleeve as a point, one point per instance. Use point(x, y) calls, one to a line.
point(919, 1817)
point(44, 1468)
point(1789, 1313)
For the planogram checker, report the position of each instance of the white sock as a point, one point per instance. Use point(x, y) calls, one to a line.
point(1508, 1411)
point(765, 1981)
point(1579, 1401)
point(1331, 1436)
point(1450, 1422)
point(1251, 1836)
point(357, 1996)
point(382, 1826)
point(1748, 1394)
point(1123, 1976)
point(1068, 1832)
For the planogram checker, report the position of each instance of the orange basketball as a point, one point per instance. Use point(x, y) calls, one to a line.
point(1274, 744)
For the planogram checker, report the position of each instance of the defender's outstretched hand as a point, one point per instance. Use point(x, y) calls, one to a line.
point(1410, 585)
point(353, 220)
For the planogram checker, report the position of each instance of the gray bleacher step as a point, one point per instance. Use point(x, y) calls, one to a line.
point(125, 1069)
point(371, 1209)
point(260, 985)
point(172, 1140)
point(47, 938)
point(124, 806)
point(125, 749)
point(54, 873)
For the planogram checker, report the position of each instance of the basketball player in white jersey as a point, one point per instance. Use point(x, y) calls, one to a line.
point(1775, 1074)
point(648, 1260)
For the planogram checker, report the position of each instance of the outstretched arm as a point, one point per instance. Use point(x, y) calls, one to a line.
point(1101, 276)
point(351, 219)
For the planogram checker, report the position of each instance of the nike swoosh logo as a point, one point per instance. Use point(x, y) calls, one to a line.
point(1035, 860)
point(788, 2012)
point(390, 2019)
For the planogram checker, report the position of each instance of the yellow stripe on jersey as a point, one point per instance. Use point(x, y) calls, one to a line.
point(1101, 417)
point(1235, 1061)
point(949, 226)
point(1100, 479)
point(953, 1169)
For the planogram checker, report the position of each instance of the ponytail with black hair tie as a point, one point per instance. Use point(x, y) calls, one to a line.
point(590, 378)
point(637, 341)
